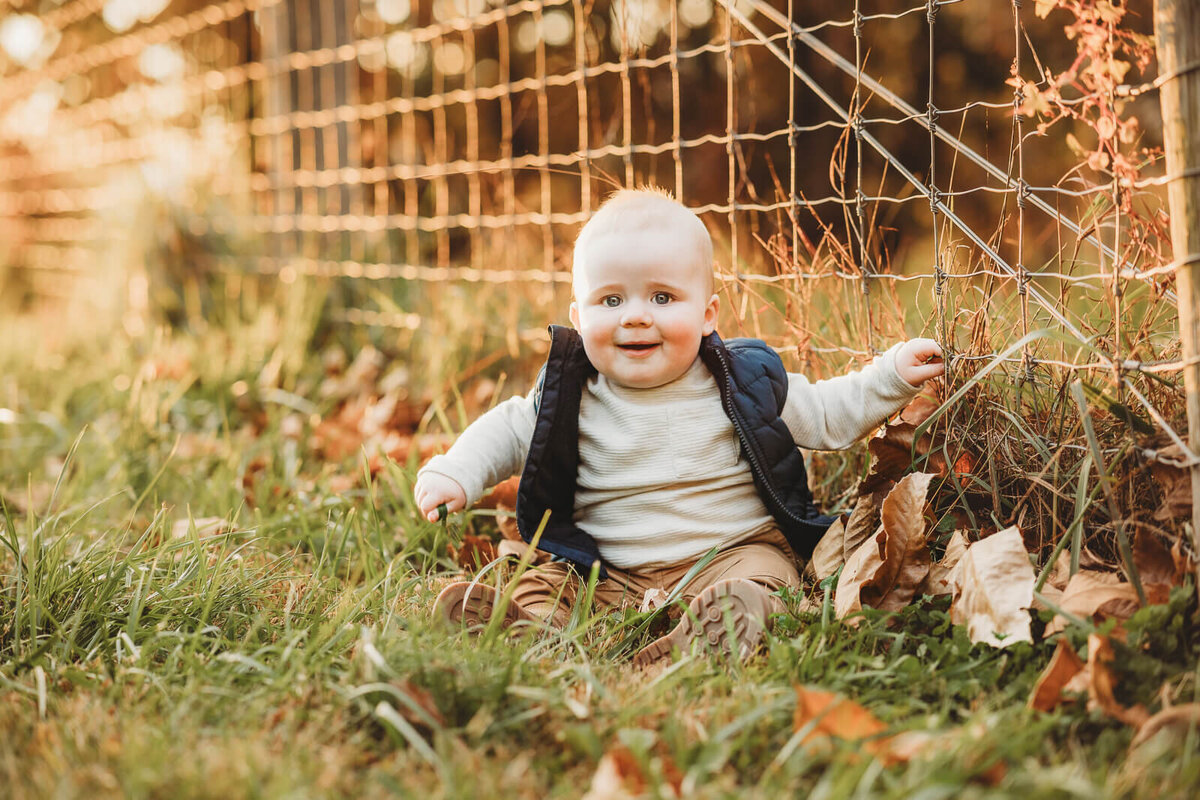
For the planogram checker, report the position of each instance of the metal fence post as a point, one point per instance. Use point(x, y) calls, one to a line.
point(1177, 33)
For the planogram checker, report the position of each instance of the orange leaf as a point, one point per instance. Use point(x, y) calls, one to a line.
point(474, 552)
point(1048, 691)
point(617, 776)
point(833, 715)
point(993, 588)
point(1100, 689)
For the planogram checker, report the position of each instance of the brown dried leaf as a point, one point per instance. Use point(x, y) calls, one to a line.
point(891, 455)
point(422, 710)
point(1091, 594)
point(1184, 563)
point(1180, 719)
point(1175, 483)
point(1063, 667)
point(939, 581)
point(474, 552)
point(503, 494)
point(862, 524)
point(921, 407)
point(1153, 560)
point(886, 571)
point(1100, 689)
point(827, 555)
point(993, 588)
point(860, 568)
point(906, 562)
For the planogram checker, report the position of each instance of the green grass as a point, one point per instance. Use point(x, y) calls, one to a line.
point(292, 654)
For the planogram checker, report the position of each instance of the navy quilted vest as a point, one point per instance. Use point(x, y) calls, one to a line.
point(753, 385)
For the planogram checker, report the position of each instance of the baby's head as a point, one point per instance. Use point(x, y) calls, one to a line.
point(643, 284)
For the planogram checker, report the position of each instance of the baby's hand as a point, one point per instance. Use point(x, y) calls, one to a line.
point(432, 490)
point(919, 360)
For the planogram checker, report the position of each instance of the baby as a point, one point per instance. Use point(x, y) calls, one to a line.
point(650, 441)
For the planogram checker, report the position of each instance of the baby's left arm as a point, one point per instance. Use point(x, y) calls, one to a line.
point(833, 414)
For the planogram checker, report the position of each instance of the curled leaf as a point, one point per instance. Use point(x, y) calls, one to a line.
point(1100, 689)
point(993, 588)
point(827, 555)
point(1064, 666)
point(940, 579)
point(887, 570)
point(1093, 594)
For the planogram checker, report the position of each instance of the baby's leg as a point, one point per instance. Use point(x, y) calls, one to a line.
point(548, 592)
point(551, 591)
point(765, 559)
point(731, 600)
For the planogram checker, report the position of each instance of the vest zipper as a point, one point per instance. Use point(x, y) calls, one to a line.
point(751, 455)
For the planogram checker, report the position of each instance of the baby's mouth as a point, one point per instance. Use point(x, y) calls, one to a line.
point(638, 347)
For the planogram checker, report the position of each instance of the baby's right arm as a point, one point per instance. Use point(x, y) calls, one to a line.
point(491, 449)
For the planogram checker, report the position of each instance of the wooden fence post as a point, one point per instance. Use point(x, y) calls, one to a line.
point(1177, 34)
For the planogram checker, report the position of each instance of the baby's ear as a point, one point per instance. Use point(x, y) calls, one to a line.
point(573, 315)
point(710, 314)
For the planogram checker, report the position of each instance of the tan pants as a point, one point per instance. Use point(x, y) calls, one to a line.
point(550, 590)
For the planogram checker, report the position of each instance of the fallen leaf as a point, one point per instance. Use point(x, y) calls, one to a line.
point(833, 715)
point(826, 714)
point(502, 494)
point(413, 703)
point(1153, 560)
point(205, 527)
point(939, 580)
point(1184, 563)
point(886, 571)
point(1063, 667)
point(1100, 689)
point(993, 588)
point(653, 599)
point(907, 558)
point(1177, 719)
point(1175, 483)
point(827, 555)
point(862, 524)
point(474, 552)
point(617, 777)
point(892, 451)
point(921, 407)
point(1091, 594)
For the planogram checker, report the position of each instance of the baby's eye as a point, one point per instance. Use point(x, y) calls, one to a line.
point(611, 301)
point(660, 298)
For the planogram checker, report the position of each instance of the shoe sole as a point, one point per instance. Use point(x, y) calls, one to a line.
point(473, 604)
point(736, 607)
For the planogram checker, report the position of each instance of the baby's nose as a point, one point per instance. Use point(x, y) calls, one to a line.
point(636, 315)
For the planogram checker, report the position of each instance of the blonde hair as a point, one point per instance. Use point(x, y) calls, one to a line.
point(646, 207)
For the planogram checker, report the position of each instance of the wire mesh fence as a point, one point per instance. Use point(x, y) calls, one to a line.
point(868, 173)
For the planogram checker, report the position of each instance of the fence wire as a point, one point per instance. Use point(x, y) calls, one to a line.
point(889, 170)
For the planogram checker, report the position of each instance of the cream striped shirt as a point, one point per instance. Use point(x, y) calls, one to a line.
point(661, 475)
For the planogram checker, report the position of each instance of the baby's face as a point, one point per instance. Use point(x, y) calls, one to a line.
point(642, 303)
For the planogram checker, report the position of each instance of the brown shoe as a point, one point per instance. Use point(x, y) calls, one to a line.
point(737, 606)
point(472, 604)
